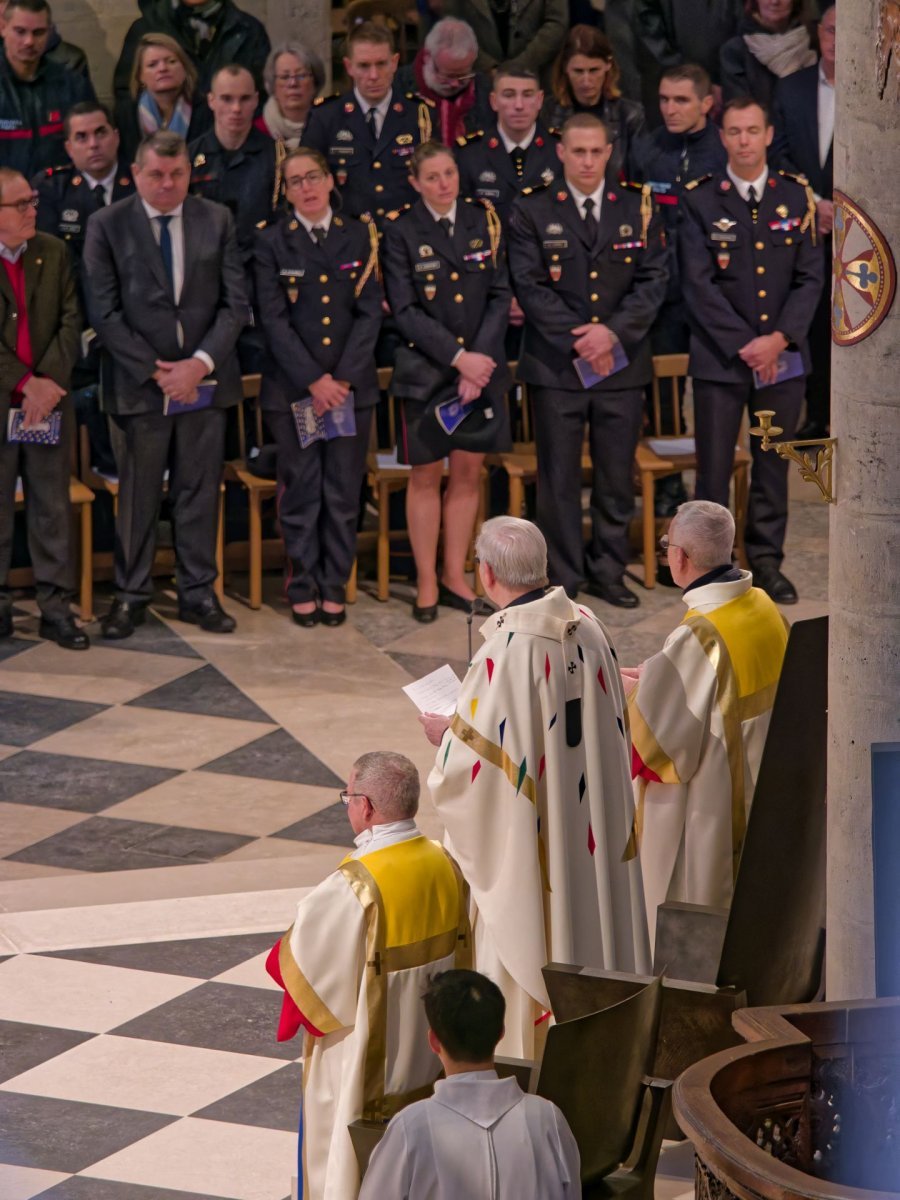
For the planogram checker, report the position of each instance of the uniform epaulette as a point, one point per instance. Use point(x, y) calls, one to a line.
point(397, 212)
point(801, 179)
point(422, 99)
point(325, 99)
point(483, 201)
point(48, 171)
point(465, 138)
point(630, 185)
point(689, 187)
point(261, 224)
point(555, 131)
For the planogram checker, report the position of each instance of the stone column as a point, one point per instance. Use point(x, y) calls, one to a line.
point(864, 576)
point(307, 21)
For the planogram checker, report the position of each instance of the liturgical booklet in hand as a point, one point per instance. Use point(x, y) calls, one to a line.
point(437, 692)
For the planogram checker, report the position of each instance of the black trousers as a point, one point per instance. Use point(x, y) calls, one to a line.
point(614, 423)
point(318, 507)
point(718, 409)
point(192, 446)
point(45, 472)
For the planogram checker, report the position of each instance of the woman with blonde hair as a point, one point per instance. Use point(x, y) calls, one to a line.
point(162, 94)
point(586, 79)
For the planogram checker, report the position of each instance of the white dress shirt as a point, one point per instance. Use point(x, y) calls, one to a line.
point(381, 109)
point(309, 226)
point(176, 233)
point(380, 836)
point(825, 111)
point(12, 256)
point(743, 185)
point(107, 184)
point(511, 143)
point(451, 215)
point(580, 197)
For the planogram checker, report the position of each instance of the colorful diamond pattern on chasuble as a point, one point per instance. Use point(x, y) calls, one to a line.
point(582, 787)
point(475, 770)
point(601, 680)
point(592, 845)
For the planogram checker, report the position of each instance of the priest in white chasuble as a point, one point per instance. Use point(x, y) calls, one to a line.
point(354, 966)
point(700, 711)
point(532, 781)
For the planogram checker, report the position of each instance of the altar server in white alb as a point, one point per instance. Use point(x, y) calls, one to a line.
point(480, 1137)
point(700, 711)
point(532, 781)
point(354, 965)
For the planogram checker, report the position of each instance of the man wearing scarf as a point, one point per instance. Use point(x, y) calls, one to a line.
point(444, 72)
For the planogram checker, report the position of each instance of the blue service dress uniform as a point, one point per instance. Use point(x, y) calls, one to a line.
point(566, 276)
point(372, 175)
point(447, 292)
point(488, 171)
point(322, 306)
point(746, 272)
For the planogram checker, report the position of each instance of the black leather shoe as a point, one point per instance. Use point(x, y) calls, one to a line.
point(425, 614)
point(332, 619)
point(615, 593)
point(122, 620)
point(305, 620)
point(6, 623)
point(451, 599)
point(209, 615)
point(64, 632)
point(774, 584)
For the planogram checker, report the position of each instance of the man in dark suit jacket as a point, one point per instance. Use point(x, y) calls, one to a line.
point(166, 295)
point(751, 276)
point(804, 142)
point(40, 326)
point(590, 289)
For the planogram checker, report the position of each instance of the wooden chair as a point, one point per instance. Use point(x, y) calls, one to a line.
point(164, 559)
point(80, 498)
point(596, 1070)
point(652, 461)
point(257, 488)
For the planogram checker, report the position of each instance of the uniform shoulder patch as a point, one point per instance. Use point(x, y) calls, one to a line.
point(801, 179)
point(325, 99)
point(535, 188)
point(689, 187)
point(421, 99)
point(394, 214)
point(465, 138)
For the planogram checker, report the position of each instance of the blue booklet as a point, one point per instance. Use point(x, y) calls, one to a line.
point(790, 365)
point(45, 433)
point(205, 394)
point(589, 376)
point(451, 413)
point(333, 423)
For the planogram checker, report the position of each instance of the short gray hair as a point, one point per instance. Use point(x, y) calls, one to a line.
point(309, 58)
point(453, 36)
point(705, 531)
point(515, 550)
point(164, 143)
point(390, 781)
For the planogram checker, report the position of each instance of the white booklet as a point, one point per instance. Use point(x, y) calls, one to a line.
point(437, 692)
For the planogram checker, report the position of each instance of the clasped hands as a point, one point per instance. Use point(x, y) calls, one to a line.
point(761, 355)
point(41, 396)
point(475, 372)
point(596, 343)
point(327, 393)
point(179, 380)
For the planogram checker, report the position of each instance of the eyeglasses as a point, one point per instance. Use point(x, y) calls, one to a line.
point(665, 546)
point(346, 797)
point(311, 178)
point(460, 79)
point(22, 206)
point(294, 77)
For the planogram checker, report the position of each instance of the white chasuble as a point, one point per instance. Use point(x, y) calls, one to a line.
point(699, 718)
point(355, 964)
point(532, 781)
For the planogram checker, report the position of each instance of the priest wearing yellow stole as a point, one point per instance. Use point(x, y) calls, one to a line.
point(532, 781)
point(700, 710)
point(354, 965)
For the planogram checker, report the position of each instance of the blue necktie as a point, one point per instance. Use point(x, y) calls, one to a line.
point(165, 249)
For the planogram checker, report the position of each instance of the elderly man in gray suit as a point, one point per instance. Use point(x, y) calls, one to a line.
point(166, 297)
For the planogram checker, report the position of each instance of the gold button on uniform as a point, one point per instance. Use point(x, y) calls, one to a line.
point(430, 278)
point(595, 320)
point(461, 341)
point(594, 296)
point(554, 258)
point(326, 320)
point(593, 274)
point(760, 246)
point(761, 293)
point(379, 212)
point(326, 299)
point(760, 270)
point(454, 275)
point(628, 258)
point(326, 341)
point(764, 316)
point(379, 187)
point(323, 279)
point(789, 241)
point(376, 166)
point(458, 297)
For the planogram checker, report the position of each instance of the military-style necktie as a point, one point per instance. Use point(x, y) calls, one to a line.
point(165, 249)
point(100, 193)
point(590, 220)
point(751, 196)
point(445, 224)
point(319, 233)
point(372, 122)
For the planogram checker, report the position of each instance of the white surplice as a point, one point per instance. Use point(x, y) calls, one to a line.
point(479, 1138)
point(533, 784)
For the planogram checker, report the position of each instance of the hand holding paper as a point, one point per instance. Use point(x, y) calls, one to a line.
point(437, 693)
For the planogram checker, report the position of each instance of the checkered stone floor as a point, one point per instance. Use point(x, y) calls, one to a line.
point(154, 1074)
